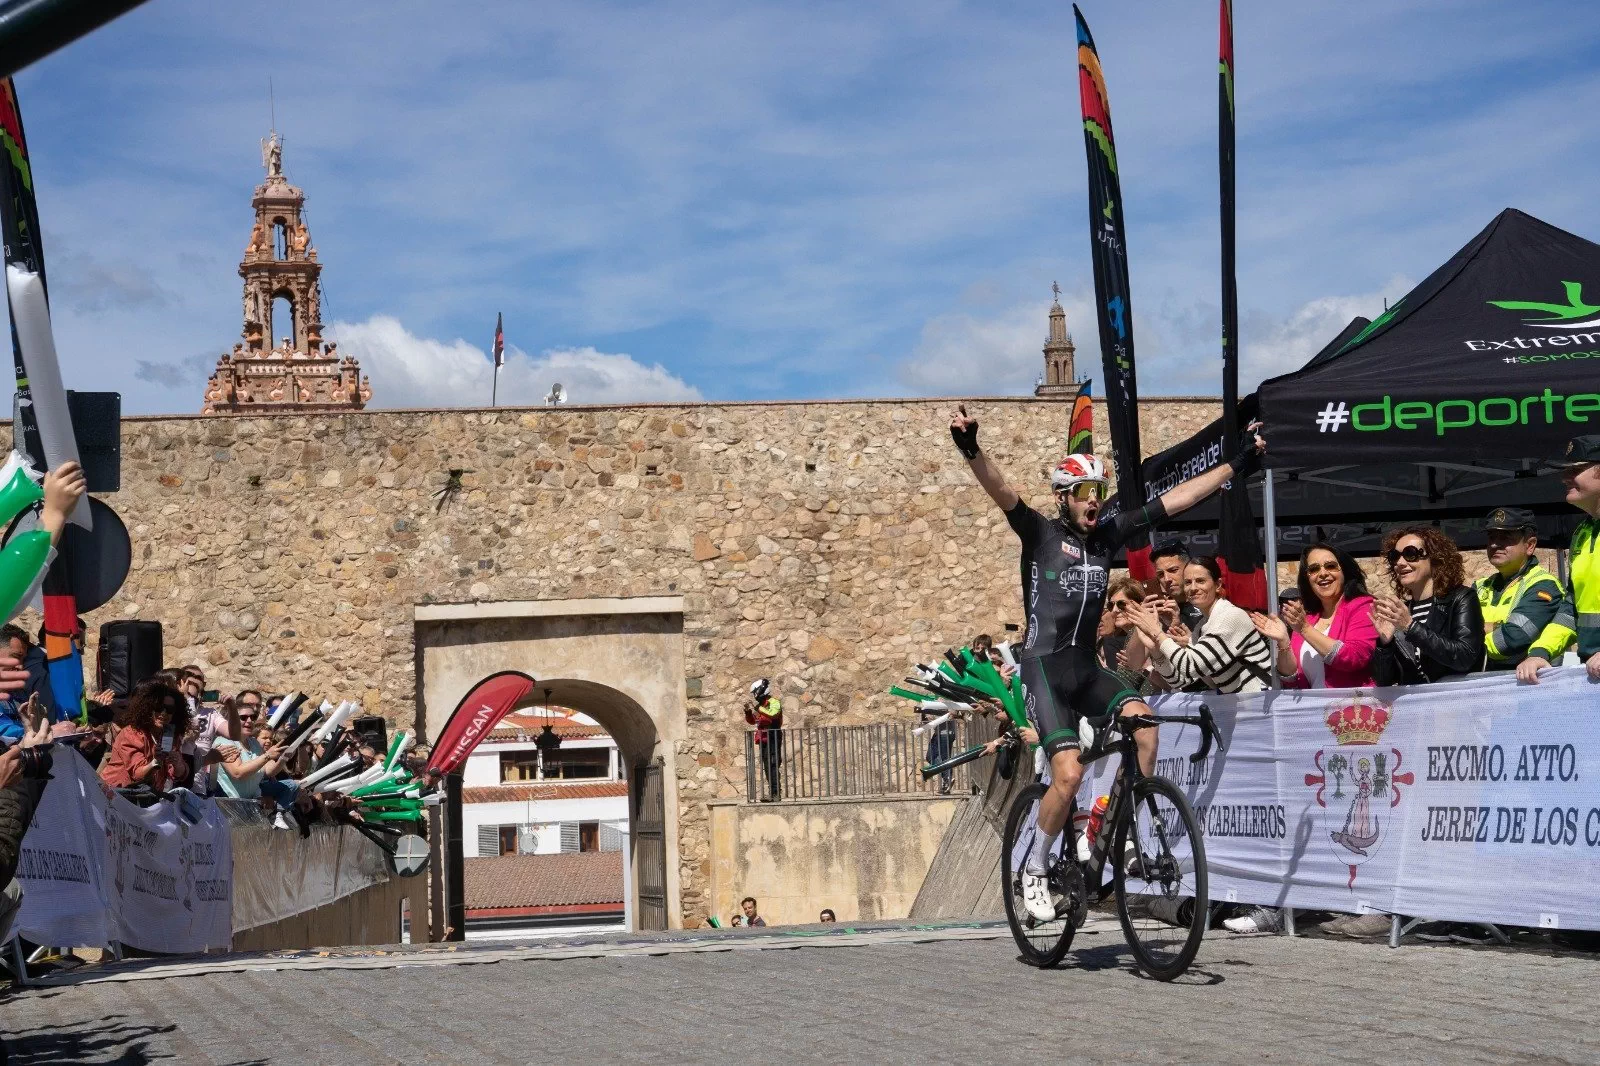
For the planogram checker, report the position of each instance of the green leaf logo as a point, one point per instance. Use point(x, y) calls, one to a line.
point(1574, 308)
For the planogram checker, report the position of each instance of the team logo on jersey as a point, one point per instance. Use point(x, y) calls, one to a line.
point(1070, 550)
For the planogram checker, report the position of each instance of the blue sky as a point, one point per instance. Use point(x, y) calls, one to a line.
point(750, 201)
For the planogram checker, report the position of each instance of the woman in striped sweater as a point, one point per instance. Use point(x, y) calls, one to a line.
point(1225, 655)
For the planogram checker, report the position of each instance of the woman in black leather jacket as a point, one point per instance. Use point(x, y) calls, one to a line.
point(1434, 628)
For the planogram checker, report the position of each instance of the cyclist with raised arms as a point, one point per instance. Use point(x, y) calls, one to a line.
point(1066, 562)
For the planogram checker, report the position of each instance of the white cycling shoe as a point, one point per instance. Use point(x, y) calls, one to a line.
point(1036, 899)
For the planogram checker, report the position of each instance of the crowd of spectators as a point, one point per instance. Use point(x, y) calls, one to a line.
point(1428, 623)
point(171, 732)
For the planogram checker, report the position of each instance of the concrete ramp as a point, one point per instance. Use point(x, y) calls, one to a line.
point(964, 879)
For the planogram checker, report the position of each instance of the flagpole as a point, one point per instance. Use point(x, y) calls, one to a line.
point(494, 390)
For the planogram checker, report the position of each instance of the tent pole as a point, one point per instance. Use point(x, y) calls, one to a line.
point(1269, 517)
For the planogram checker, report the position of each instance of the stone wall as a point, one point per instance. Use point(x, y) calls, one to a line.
point(826, 545)
point(864, 858)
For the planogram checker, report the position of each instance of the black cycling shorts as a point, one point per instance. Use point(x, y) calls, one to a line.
point(1065, 686)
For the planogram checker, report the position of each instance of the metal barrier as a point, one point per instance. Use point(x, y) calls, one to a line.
point(884, 758)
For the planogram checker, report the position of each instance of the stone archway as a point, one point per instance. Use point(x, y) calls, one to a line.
point(618, 661)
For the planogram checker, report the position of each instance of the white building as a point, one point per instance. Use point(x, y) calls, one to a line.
point(517, 799)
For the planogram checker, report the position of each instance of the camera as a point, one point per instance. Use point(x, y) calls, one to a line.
point(35, 762)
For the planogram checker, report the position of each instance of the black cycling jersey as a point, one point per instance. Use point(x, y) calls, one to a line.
point(1064, 575)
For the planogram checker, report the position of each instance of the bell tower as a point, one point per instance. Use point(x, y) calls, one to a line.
point(1060, 378)
point(280, 269)
point(280, 262)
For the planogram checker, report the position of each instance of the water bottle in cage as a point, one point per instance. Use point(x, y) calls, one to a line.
point(1095, 818)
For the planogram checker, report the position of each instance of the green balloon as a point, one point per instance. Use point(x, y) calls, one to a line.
point(21, 563)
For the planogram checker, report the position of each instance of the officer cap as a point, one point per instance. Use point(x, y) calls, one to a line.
point(1581, 451)
point(1511, 518)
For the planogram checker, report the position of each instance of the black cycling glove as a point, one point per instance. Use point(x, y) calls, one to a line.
point(966, 440)
point(1248, 461)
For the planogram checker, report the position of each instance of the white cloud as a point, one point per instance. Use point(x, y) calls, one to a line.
point(960, 353)
point(1275, 346)
point(412, 371)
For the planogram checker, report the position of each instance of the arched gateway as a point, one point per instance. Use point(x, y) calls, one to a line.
point(620, 661)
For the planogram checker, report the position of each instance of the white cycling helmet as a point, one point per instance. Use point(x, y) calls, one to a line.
point(759, 688)
point(1082, 469)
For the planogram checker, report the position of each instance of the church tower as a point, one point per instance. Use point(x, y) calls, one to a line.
point(283, 295)
point(1060, 378)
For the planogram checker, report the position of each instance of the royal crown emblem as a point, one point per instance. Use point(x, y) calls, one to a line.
point(1357, 788)
point(1358, 722)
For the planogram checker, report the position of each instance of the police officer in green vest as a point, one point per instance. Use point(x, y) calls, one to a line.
point(1579, 618)
point(1521, 597)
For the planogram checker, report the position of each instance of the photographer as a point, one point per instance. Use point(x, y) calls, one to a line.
point(765, 711)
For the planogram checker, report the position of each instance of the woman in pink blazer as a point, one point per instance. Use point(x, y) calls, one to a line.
point(1325, 640)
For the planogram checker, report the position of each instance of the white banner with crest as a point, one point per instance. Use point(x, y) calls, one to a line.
point(1474, 800)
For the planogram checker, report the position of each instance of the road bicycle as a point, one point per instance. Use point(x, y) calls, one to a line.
point(1161, 892)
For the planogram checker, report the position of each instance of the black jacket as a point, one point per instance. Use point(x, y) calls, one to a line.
point(1448, 644)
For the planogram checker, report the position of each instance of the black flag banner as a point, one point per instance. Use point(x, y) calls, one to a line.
point(1241, 551)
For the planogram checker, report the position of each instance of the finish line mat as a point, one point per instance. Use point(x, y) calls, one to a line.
point(554, 949)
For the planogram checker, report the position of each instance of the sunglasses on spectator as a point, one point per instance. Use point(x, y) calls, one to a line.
point(1317, 568)
point(1411, 554)
point(1120, 605)
point(1085, 490)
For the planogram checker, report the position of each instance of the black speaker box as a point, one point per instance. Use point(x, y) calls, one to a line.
point(130, 651)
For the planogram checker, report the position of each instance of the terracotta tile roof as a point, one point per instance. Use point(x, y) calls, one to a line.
point(531, 730)
point(580, 877)
point(550, 790)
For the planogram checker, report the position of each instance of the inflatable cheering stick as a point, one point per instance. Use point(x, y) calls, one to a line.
point(25, 558)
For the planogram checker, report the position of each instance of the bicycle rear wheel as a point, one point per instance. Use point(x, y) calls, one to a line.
point(1163, 901)
point(1043, 944)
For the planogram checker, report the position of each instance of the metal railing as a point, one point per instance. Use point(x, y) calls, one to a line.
point(884, 758)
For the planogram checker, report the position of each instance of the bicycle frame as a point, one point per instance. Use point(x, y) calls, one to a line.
point(1117, 737)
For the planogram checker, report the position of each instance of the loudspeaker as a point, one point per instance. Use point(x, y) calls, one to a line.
point(130, 651)
point(372, 729)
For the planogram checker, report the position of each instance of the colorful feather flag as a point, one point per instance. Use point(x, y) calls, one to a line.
point(1080, 431)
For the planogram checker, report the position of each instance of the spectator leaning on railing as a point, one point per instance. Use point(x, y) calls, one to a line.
point(1122, 652)
point(1579, 618)
point(136, 757)
point(1329, 629)
point(1434, 628)
point(1226, 654)
point(1521, 597)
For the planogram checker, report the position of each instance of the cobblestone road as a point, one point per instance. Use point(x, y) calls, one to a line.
point(882, 999)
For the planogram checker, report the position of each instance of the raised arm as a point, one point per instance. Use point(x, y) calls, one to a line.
point(1191, 492)
point(964, 431)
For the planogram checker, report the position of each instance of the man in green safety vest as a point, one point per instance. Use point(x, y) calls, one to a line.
point(1521, 597)
point(1579, 617)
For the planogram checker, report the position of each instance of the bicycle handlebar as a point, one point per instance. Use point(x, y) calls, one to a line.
point(1208, 730)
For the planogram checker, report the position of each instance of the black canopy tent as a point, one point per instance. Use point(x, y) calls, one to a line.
point(1441, 409)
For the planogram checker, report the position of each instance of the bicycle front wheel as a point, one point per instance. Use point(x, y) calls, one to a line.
point(1043, 944)
point(1160, 877)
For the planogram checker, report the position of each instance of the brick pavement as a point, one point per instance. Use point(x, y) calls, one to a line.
point(1254, 999)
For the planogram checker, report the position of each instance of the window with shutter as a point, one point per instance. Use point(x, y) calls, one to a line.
point(610, 837)
point(569, 836)
point(488, 840)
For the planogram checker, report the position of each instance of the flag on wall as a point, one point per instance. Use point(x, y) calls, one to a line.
point(499, 342)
